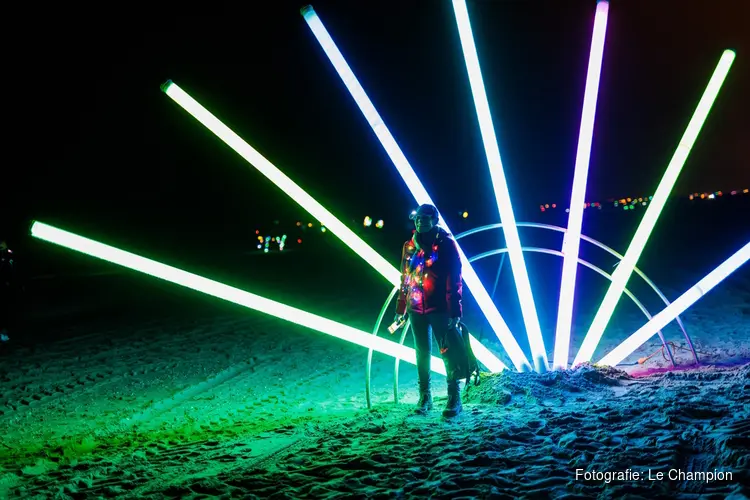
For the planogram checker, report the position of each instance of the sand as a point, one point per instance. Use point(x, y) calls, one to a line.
point(230, 404)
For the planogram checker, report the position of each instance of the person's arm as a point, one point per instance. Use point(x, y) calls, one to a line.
point(401, 301)
point(453, 285)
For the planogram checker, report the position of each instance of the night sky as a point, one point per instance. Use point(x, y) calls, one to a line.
point(92, 137)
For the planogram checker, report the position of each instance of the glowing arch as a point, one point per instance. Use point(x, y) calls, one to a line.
point(599, 244)
point(548, 251)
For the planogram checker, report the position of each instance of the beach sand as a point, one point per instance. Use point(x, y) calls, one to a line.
point(221, 402)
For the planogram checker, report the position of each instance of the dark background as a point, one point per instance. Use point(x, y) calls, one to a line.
point(94, 146)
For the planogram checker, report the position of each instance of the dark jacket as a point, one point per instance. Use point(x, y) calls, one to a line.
point(430, 277)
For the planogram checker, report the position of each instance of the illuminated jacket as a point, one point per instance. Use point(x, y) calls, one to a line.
point(430, 277)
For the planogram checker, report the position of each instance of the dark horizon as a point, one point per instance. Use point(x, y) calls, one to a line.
point(104, 144)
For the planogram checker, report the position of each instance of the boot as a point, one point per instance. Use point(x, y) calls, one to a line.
point(425, 399)
point(453, 407)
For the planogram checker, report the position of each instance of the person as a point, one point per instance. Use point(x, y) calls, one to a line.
point(8, 291)
point(430, 295)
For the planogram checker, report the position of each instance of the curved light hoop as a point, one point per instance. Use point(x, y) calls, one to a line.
point(593, 268)
point(603, 247)
point(370, 351)
point(482, 256)
point(405, 328)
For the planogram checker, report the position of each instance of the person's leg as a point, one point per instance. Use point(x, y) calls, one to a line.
point(422, 333)
point(453, 350)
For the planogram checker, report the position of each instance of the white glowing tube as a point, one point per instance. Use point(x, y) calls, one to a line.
point(625, 267)
point(677, 307)
point(484, 301)
point(279, 178)
point(306, 201)
point(572, 239)
point(512, 239)
point(240, 297)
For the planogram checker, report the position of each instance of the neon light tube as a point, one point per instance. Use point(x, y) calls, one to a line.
point(502, 195)
point(625, 268)
point(572, 239)
point(240, 297)
point(276, 176)
point(484, 301)
point(305, 201)
point(677, 307)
